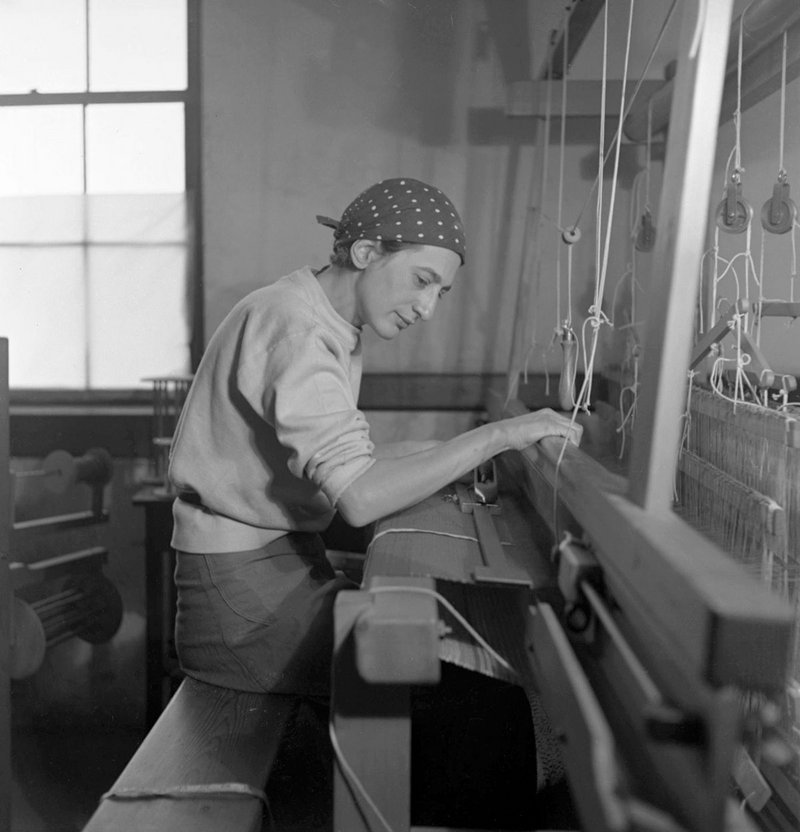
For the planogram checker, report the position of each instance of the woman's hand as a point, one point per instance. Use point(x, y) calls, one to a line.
point(522, 431)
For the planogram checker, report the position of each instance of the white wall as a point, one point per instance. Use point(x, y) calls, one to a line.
point(307, 102)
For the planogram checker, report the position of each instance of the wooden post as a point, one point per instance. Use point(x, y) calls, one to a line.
point(372, 726)
point(682, 215)
point(5, 595)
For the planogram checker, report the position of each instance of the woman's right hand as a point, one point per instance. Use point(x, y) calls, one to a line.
point(525, 430)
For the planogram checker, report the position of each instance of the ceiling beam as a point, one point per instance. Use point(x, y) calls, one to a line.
point(580, 21)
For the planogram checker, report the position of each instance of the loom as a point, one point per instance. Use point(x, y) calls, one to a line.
point(662, 656)
point(64, 596)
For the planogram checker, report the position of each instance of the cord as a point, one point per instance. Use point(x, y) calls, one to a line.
point(351, 777)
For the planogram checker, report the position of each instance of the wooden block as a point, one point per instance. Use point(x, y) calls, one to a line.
point(206, 735)
point(683, 596)
point(371, 735)
point(397, 634)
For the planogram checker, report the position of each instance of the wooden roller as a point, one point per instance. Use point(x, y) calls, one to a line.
point(60, 469)
point(88, 607)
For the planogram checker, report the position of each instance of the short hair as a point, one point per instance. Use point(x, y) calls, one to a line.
point(341, 251)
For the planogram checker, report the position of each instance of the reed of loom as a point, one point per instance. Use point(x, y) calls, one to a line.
point(738, 480)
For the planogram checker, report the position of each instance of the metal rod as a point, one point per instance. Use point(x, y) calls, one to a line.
point(44, 603)
point(53, 627)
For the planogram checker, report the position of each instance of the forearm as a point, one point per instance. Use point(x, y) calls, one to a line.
point(394, 483)
point(395, 450)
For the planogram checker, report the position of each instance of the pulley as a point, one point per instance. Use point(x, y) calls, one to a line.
point(646, 236)
point(779, 213)
point(566, 382)
point(734, 212)
point(571, 235)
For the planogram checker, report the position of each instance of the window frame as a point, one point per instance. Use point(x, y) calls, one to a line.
point(191, 100)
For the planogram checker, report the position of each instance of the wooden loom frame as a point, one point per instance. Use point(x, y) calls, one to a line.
point(707, 625)
point(686, 626)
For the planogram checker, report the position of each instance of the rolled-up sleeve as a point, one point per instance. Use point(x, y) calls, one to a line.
point(301, 389)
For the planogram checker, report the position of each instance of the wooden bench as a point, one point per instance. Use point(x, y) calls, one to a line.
point(203, 765)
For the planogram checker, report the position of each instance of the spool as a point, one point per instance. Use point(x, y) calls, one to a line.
point(566, 381)
point(60, 469)
point(88, 607)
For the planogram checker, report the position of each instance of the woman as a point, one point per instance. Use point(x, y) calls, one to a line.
point(271, 443)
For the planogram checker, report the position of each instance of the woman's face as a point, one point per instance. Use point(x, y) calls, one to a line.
point(397, 290)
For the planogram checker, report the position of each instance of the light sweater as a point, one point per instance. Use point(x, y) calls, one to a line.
point(270, 434)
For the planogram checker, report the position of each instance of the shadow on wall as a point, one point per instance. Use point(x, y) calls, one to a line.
point(394, 65)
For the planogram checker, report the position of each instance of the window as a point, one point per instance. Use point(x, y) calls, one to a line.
point(98, 191)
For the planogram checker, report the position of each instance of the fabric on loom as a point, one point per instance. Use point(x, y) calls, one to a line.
point(436, 539)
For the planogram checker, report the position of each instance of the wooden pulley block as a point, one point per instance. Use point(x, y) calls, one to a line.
point(566, 381)
point(28, 641)
point(646, 236)
point(779, 213)
point(734, 213)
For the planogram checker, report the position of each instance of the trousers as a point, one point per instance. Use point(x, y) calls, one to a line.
point(259, 620)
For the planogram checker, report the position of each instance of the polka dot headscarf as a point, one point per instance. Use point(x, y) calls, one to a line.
point(405, 210)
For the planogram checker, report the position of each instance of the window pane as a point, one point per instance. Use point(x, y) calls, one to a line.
point(42, 46)
point(138, 323)
point(137, 46)
point(41, 150)
point(42, 315)
point(134, 148)
point(139, 218)
point(42, 219)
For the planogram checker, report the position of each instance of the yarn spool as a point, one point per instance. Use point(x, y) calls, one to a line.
point(88, 607)
point(60, 469)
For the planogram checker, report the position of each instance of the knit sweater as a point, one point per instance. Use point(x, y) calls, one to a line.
point(270, 434)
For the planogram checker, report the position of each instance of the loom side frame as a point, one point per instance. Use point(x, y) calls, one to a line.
point(684, 598)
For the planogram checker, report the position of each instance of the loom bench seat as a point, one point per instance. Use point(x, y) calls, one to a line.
point(206, 735)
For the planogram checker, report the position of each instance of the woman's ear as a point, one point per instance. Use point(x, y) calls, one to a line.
point(363, 252)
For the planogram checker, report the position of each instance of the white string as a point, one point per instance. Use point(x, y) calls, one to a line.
point(542, 202)
point(467, 537)
point(758, 314)
point(352, 778)
point(421, 590)
point(562, 148)
point(687, 421)
point(648, 154)
point(781, 169)
point(597, 317)
point(737, 116)
point(627, 110)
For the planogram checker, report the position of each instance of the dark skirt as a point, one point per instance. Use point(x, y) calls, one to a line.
point(260, 620)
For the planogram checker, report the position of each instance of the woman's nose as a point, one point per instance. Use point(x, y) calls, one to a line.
point(426, 305)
